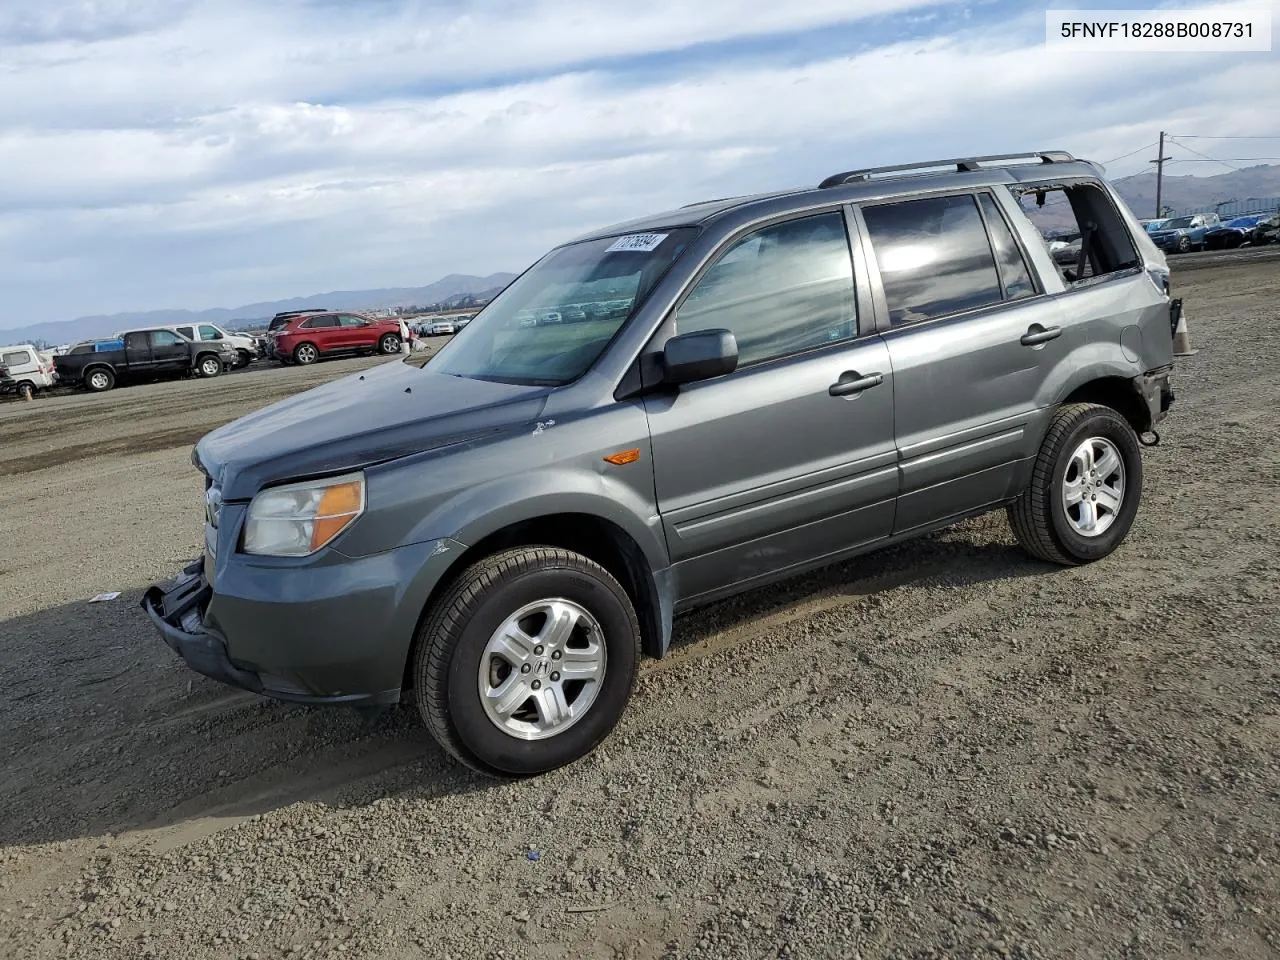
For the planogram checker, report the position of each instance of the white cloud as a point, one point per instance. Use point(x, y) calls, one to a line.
point(224, 157)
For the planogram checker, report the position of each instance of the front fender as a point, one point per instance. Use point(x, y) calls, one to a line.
point(476, 513)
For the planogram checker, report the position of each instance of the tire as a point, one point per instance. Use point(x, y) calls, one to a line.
point(208, 366)
point(1041, 520)
point(99, 380)
point(454, 641)
point(305, 354)
point(1184, 245)
point(26, 391)
point(244, 358)
point(389, 344)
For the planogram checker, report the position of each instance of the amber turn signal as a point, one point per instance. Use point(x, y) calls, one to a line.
point(623, 456)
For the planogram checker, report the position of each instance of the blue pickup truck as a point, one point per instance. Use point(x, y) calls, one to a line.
point(1183, 234)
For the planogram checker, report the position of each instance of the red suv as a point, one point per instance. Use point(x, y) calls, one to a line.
point(307, 337)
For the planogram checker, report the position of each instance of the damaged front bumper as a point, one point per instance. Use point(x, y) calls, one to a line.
point(178, 610)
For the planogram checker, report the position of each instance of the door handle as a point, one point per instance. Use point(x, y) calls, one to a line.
point(1037, 334)
point(852, 382)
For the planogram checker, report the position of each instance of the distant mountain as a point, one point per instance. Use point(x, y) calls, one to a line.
point(1182, 193)
point(447, 290)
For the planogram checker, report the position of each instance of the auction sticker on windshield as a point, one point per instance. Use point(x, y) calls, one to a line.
point(638, 243)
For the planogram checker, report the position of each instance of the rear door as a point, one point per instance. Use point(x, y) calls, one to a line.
point(971, 339)
point(323, 332)
point(779, 464)
point(137, 353)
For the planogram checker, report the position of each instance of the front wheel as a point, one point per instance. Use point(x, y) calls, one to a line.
point(1184, 244)
point(527, 662)
point(243, 358)
point(1085, 487)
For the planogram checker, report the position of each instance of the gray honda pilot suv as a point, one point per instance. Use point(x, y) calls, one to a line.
point(669, 411)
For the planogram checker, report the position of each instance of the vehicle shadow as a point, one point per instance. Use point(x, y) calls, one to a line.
point(975, 551)
point(105, 731)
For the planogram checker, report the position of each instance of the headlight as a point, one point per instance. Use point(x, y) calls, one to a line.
point(299, 518)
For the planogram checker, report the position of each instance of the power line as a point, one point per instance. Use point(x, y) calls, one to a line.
point(1194, 136)
point(1203, 156)
point(1128, 155)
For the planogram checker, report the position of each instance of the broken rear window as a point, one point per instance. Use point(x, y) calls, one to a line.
point(1083, 231)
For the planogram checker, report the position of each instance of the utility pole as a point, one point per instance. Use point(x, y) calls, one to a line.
point(1160, 161)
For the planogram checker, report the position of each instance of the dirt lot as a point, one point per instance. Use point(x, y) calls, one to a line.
point(942, 750)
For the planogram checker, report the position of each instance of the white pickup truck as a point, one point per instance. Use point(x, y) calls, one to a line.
point(246, 347)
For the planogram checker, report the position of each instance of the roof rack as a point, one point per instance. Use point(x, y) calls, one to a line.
point(962, 165)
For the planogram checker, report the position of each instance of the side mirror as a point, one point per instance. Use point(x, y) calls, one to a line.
point(699, 356)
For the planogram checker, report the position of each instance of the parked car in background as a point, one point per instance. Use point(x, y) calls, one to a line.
point(136, 355)
point(460, 323)
point(282, 318)
point(1151, 226)
point(26, 371)
point(1234, 233)
point(503, 532)
point(1183, 234)
point(440, 328)
point(246, 347)
point(1268, 231)
point(306, 337)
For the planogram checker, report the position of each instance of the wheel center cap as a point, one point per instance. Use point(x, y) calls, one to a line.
point(541, 668)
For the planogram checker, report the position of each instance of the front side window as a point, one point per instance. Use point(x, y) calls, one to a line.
point(781, 290)
point(209, 333)
point(934, 257)
point(554, 321)
point(349, 321)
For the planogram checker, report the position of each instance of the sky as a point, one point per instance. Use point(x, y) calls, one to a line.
point(197, 153)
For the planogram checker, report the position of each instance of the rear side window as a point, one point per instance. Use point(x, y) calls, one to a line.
point(1083, 231)
point(187, 332)
point(315, 323)
point(15, 359)
point(934, 257)
point(1014, 274)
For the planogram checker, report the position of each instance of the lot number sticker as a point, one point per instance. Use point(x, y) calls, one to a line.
point(637, 243)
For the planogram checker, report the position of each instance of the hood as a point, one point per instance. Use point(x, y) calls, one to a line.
point(387, 412)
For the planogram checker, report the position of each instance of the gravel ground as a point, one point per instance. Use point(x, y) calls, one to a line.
point(941, 750)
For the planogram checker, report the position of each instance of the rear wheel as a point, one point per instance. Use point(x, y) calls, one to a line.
point(527, 662)
point(1085, 488)
point(243, 358)
point(99, 379)
point(389, 344)
point(208, 366)
point(305, 353)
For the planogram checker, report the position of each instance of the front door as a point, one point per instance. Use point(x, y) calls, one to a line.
point(789, 460)
point(169, 352)
point(356, 333)
point(971, 340)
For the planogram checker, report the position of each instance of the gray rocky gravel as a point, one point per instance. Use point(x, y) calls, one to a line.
point(941, 750)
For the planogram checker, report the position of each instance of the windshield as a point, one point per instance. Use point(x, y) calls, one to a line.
point(553, 322)
point(1181, 223)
